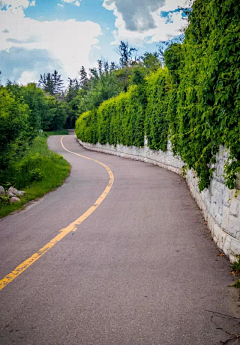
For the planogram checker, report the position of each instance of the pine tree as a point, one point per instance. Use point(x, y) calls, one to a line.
point(83, 78)
point(125, 52)
point(51, 83)
point(57, 82)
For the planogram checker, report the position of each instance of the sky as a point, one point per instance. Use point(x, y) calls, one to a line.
point(39, 36)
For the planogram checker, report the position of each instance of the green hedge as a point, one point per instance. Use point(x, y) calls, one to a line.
point(194, 102)
point(119, 120)
point(156, 120)
point(205, 79)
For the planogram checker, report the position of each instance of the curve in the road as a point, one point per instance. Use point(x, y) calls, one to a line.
point(63, 232)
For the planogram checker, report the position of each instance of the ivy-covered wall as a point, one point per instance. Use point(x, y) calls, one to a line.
point(194, 101)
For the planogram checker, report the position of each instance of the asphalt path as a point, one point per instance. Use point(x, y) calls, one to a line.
point(140, 270)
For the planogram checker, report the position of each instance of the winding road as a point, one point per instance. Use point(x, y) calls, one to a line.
point(118, 255)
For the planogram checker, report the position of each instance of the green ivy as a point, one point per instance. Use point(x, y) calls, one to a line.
point(194, 101)
point(119, 120)
point(156, 121)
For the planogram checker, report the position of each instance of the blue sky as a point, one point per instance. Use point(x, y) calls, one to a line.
point(38, 36)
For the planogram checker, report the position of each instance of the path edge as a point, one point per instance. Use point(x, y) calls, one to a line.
point(224, 241)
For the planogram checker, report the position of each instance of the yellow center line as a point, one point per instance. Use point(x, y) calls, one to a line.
point(63, 232)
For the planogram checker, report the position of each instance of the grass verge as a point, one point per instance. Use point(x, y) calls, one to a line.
point(38, 172)
point(236, 272)
point(62, 132)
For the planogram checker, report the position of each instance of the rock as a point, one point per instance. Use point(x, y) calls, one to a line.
point(10, 194)
point(13, 190)
point(16, 192)
point(14, 199)
point(2, 191)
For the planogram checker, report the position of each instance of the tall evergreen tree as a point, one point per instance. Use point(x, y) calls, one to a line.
point(72, 90)
point(51, 83)
point(83, 78)
point(126, 54)
point(57, 82)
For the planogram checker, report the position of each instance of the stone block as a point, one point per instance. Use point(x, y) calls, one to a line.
point(234, 226)
point(234, 207)
point(238, 181)
point(235, 247)
point(227, 244)
point(226, 197)
point(225, 218)
point(14, 199)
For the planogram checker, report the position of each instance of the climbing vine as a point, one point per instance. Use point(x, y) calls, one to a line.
point(194, 101)
point(207, 95)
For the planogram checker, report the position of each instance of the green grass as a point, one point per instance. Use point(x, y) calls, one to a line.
point(62, 132)
point(236, 272)
point(38, 172)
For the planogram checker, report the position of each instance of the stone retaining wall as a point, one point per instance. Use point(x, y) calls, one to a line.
point(220, 206)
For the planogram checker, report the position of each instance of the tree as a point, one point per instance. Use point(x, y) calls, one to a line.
point(57, 82)
point(126, 53)
point(138, 74)
point(173, 57)
point(100, 67)
point(14, 130)
point(46, 83)
point(72, 90)
point(83, 78)
point(151, 61)
point(51, 83)
point(112, 66)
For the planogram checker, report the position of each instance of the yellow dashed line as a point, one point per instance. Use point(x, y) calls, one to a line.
point(63, 232)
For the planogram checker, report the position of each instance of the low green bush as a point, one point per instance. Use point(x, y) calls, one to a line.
point(38, 172)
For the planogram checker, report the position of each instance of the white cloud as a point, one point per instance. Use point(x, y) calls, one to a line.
point(60, 5)
point(15, 3)
point(74, 2)
point(171, 5)
point(28, 77)
point(137, 15)
point(141, 22)
point(18, 63)
point(68, 42)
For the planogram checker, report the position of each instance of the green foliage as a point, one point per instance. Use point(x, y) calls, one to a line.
point(102, 85)
point(194, 102)
point(4, 200)
point(236, 284)
point(206, 70)
point(151, 61)
point(137, 75)
point(231, 169)
point(37, 172)
point(126, 54)
point(236, 266)
point(123, 76)
point(36, 101)
point(236, 271)
point(119, 120)
point(14, 134)
point(60, 132)
point(156, 121)
point(24, 111)
point(51, 83)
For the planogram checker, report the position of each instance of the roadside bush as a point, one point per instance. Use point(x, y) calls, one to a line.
point(39, 171)
point(14, 134)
